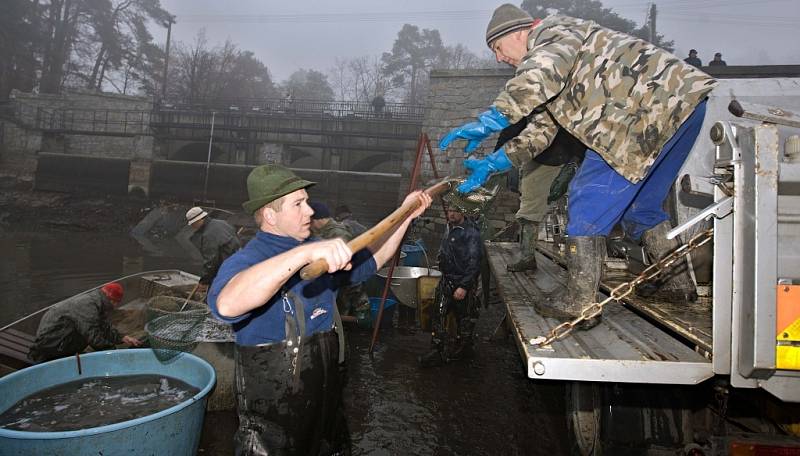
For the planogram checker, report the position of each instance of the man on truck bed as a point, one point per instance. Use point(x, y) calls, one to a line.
point(637, 108)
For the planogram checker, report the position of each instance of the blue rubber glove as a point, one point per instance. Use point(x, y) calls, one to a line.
point(480, 170)
point(489, 122)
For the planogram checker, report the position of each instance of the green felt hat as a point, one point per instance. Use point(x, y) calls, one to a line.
point(267, 183)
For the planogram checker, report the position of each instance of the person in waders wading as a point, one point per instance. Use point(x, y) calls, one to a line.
point(636, 107)
point(215, 239)
point(460, 263)
point(288, 384)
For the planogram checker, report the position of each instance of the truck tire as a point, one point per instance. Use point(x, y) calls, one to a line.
point(584, 413)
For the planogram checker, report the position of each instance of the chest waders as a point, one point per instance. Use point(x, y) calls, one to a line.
point(288, 393)
point(465, 313)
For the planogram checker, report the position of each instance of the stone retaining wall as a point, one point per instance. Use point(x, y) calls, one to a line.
point(457, 97)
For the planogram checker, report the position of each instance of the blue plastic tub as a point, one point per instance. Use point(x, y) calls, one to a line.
point(173, 431)
point(415, 254)
point(388, 311)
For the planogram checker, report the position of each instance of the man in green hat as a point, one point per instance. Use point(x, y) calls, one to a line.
point(287, 375)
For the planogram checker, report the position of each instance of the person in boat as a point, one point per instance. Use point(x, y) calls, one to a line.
point(287, 376)
point(349, 298)
point(79, 322)
point(460, 262)
point(636, 107)
point(215, 239)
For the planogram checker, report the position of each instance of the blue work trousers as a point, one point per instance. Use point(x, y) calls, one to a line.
point(599, 197)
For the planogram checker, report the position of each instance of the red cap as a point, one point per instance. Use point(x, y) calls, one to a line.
point(113, 290)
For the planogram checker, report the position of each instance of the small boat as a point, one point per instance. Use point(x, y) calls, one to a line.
point(17, 337)
point(130, 318)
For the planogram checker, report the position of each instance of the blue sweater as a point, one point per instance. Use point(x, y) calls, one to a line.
point(266, 324)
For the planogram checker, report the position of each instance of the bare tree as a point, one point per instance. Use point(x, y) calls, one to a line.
point(223, 72)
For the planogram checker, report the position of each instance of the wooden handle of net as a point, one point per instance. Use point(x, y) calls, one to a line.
point(319, 267)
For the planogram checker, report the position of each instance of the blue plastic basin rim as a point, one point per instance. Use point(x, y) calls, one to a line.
point(25, 435)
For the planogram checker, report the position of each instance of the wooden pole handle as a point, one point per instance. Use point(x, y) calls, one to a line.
point(317, 268)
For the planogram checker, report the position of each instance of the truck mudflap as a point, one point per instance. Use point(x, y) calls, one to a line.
point(624, 348)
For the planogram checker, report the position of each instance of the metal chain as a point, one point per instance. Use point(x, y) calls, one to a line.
point(626, 288)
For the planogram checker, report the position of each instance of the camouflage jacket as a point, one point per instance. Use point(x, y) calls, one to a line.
point(216, 240)
point(69, 326)
point(619, 95)
point(334, 229)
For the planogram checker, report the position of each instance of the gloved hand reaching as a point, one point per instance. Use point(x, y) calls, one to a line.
point(489, 122)
point(480, 170)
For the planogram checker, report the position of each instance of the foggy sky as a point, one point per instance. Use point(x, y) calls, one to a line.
point(311, 34)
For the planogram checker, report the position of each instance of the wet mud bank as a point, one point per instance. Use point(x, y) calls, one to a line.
point(36, 211)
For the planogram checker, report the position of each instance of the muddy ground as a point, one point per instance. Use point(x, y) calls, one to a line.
point(482, 406)
point(34, 211)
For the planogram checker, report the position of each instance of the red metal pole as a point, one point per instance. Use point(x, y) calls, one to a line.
point(376, 325)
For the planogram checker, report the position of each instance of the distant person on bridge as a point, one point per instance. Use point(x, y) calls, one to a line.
point(693, 59)
point(378, 104)
point(717, 60)
point(460, 262)
point(636, 107)
point(215, 239)
point(287, 375)
point(75, 323)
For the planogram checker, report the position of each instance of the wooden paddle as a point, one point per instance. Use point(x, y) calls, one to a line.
point(319, 267)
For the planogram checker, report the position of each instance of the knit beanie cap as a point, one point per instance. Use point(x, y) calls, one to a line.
point(506, 18)
point(321, 210)
point(114, 291)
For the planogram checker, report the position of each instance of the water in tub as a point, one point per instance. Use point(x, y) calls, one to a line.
point(95, 401)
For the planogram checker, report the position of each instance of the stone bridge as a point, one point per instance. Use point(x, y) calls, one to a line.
point(115, 143)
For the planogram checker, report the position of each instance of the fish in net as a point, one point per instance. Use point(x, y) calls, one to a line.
point(176, 325)
point(476, 202)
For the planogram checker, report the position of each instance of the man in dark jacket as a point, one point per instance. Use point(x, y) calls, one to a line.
point(460, 261)
point(73, 324)
point(693, 59)
point(717, 60)
point(345, 216)
point(215, 239)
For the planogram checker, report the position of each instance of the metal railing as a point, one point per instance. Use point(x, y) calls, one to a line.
point(343, 109)
point(196, 115)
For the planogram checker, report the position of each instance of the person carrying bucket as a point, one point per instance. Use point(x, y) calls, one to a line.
point(288, 384)
point(460, 262)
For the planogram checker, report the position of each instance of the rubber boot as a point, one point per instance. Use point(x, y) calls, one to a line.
point(585, 258)
point(675, 284)
point(529, 231)
point(433, 358)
